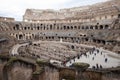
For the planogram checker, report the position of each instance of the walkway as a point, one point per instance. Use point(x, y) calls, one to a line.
point(98, 58)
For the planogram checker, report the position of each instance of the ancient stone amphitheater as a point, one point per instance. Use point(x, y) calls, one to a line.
point(58, 35)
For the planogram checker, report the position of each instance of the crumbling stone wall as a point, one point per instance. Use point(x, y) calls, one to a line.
point(3, 61)
point(20, 72)
point(67, 74)
point(115, 75)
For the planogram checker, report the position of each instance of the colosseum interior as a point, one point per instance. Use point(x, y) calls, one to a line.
point(50, 44)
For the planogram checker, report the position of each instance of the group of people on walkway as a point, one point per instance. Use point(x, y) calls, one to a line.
point(93, 53)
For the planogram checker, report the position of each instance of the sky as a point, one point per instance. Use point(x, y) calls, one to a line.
point(16, 8)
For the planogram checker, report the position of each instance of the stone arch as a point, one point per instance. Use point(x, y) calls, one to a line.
point(86, 39)
point(46, 37)
point(72, 47)
point(101, 26)
point(44, 27)
point(52, 37)
point(68, 27)
point(25, 28)
point(71, 27)
point(83, 27)
point(32, 35)
point(17, 26)
point(75, 27)
point(96, 27)
point(14, 28)
point(28, 28)
point(87, 27)
point(64, 27)
point(91, 27)
point(38, 27)
point(118, 15)
point(51, 27)
point(20, 36)
point(49, 37)
point(106, 26)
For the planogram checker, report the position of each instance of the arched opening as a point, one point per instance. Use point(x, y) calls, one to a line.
point(118, 15)
point(49, 37)
point(64, 27)
point(87, 27)
point(20, 36)
point(71, 27)
point(46, 37)
point(50, 27)
point(72, 47)
point(75, 27)
point(28, 28)
point(38, 28)
point(106, 26)
point(91, 27)
point(17, 27)
point(96, 27)
point(25, 28)
point(98, 41)
point(44, 27)
point(32, 35)
point(101, 26)
point(13, 28)
point(86, 39)
point(103, 42)
point(52, 38)
point(67, 27)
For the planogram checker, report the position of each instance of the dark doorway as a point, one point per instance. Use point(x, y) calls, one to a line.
point(118, 15)
point(20, 37)
point(101, 26)
point(17, 27)
point(106, 26)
